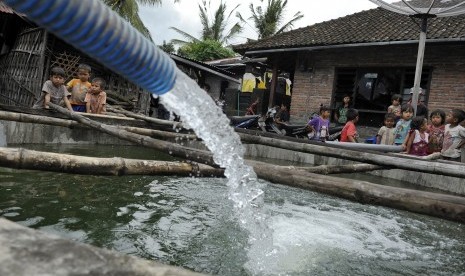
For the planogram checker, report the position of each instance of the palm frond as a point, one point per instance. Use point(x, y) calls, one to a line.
point(234, 31)
point(179, 42)
point(184, 34)
point(290, 23)
point(149, 2)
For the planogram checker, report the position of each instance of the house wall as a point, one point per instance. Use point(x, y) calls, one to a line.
point(215, 85)
point(315, 86)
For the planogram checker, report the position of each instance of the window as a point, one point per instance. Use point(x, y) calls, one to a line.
point(371, 89)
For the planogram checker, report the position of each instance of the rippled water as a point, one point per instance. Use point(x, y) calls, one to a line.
point(189, 222)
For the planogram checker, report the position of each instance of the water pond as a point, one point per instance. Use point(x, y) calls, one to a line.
point(189, 222)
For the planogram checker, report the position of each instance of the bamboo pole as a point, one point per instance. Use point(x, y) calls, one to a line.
point(434, 204)
point(323, 169)
point(173, 149)
point(38, 119)
point(130, 114)
point(406, 163)
point(336, 169)
point(19, 158)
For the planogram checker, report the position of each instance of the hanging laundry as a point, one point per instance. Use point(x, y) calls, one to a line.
point(248, 82)
point(261, 84)
point(288, 87)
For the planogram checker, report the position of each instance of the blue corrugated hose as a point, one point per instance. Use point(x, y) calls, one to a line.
point(102, 34)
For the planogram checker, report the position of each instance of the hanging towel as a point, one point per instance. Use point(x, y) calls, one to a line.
point(248, 82)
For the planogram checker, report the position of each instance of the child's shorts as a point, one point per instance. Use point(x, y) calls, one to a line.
point(79, 108)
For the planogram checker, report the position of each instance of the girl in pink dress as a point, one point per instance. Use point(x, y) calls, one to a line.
point(417, 139)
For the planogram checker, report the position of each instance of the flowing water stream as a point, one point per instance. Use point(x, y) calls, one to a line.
point(199, 112)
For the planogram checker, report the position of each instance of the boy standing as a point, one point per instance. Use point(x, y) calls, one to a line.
point(386, 133)
point(349, 132)
point(79, 87)
point(96, 98)
point(318, 127)
point(53, 90)
point(454, 135)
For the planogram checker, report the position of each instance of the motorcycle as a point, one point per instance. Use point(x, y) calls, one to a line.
point(298, 131)
point(247, 122)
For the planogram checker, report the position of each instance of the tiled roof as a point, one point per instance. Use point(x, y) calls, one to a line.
point(204, 66)
point(6, 9)
point(375, 25)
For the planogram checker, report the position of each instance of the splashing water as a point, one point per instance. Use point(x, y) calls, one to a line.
point(200, 113)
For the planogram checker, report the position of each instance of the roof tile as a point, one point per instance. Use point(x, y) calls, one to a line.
point(375, 25)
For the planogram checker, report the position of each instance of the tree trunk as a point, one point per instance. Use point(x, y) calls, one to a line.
point(405, 163)
point(176, 125)
point(434, 204)
point(37, 119)
point(46, 161)
point(173, 149)
point(323, 169)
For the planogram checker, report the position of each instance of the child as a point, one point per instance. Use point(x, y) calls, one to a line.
point(422, 110)
point(79, 87)
point(436, 131)
point(252, 109)
point(454, 135)
point(53, 90)
point(403, 125)
point(395, 107)
point(349, 132)
point(386, 133)
point(318, 127)
point(417, 139)
point(96, 98)
point(341, 111)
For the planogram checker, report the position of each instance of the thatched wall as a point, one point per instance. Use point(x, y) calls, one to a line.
point(25, 67)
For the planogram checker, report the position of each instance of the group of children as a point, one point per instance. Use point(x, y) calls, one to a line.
point(78, 95)
point(444, 132)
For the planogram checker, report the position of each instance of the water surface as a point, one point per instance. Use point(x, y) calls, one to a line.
point(189, 222)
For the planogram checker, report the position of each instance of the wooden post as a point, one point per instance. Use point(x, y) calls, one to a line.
point(19, 158)
point(274, 82)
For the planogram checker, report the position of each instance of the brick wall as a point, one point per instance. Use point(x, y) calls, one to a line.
point(310, 89)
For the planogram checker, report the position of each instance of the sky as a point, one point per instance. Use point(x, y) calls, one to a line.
point(185, 15)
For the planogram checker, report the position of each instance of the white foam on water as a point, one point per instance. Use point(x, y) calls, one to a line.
point(306, 237)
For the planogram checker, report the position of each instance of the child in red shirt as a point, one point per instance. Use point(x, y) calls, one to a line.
point(349, 132)
point(436, 131)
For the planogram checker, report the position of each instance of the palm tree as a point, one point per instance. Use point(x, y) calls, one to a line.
point(267, 20)
point(129, 10)
point(212, 29)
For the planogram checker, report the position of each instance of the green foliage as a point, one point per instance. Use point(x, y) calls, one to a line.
point(129, 10)
point(267, 19)
point(214, 28)
point(205, 50)
point(167, 47)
